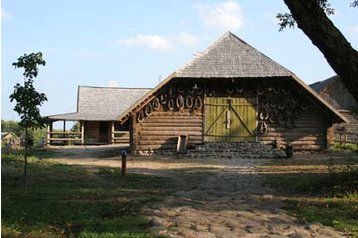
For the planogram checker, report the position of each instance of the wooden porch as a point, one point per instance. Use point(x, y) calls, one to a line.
point(89, 133)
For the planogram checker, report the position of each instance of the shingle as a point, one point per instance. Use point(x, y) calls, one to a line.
point(321, 85)
point(102, 103)
point(231, 57)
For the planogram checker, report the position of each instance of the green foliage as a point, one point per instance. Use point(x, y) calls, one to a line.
point(30, 63)
point(287, 20)
point(69, 201)
point(34, 135)
point(76, 127)
point(28, 100)
point(329, 197)
point(11, 126)
point(345, 146)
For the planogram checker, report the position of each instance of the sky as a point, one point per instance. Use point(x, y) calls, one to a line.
point(137, 43)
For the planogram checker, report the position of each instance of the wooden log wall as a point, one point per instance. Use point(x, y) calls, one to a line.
point(289, 116)
point(161, 129)
point(172, 112)
point(309, 132)
point(91, 132)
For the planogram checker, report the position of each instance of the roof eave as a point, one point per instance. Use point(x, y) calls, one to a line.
point(335, 112)
point(126, 114)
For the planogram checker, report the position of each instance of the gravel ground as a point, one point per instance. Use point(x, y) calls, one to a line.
point(214, 198)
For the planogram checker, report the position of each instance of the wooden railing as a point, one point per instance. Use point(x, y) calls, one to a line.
point(346, 137)
point(120, 137)
point(63, 137)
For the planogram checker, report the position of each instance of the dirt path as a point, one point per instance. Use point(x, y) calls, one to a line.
point(215, 198)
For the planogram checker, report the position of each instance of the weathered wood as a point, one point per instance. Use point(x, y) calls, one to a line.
point(64, 133)
point(65, 139)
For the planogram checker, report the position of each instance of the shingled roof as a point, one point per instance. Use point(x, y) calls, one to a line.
point(231, 57)
point(321, 85)
point(102, 103)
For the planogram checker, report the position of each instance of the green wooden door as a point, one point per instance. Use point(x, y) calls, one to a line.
point(229, 119)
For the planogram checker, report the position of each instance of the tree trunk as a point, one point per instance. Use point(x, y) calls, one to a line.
point(339, 53)
point(25, 160)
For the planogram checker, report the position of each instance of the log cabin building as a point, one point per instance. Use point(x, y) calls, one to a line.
point(335, 93)
point(97, 113)
point(231, 93)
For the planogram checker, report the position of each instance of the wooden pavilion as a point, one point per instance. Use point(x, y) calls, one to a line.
point(97, 112)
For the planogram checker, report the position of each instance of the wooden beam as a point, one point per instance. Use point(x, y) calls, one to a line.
point(82, 123)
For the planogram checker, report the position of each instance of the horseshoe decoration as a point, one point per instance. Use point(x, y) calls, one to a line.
point(294, 100)
point(209, 92)
point(260, 91)
point(180, 90)
point(171, 104)
point(272, 118)
point(286, 91)
point(155, 104)
point(140, 116)
point(276, 90)
point(280, 119)
point(273, 104)
point(229, 90)
point(263, 115)
point(180, 102)
point(163, 99)
point(239, 90)
point(148, 109)
point(262, 127)
point(198, 103)
point(189, 101)
point(304, 106)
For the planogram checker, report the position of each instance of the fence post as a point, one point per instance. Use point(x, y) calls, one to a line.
point(124, 162)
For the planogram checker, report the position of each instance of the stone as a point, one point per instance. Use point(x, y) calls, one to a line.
point(314, 226)
point(299, 234)
point(329, 232)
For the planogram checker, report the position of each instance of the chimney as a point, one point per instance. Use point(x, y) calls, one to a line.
point(112, 84)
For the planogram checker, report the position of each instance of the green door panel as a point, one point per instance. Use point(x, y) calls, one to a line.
point(229, 119)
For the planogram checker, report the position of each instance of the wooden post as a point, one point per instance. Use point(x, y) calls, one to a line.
point(133, 133)
point(82, 123)
point(49, 130)
point(330, 136)
point(112, 137)
point(124, 162)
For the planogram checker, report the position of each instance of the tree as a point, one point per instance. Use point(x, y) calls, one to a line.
point(311, 16)
point(28, 100)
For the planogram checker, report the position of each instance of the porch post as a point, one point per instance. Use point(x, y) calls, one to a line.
point(82, 132)
point(49, 130)
point(112, 135)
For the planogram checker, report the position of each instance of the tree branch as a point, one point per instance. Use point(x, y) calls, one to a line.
point(339, 53)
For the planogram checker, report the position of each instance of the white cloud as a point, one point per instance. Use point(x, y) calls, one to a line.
point(149, 41)
point(223, 16)
point(4, 14)
point(162, 43)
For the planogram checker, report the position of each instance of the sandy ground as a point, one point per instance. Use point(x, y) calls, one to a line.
point(218, 197)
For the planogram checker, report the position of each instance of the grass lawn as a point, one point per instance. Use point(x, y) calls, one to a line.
point(319, 190)
point(68, 201)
